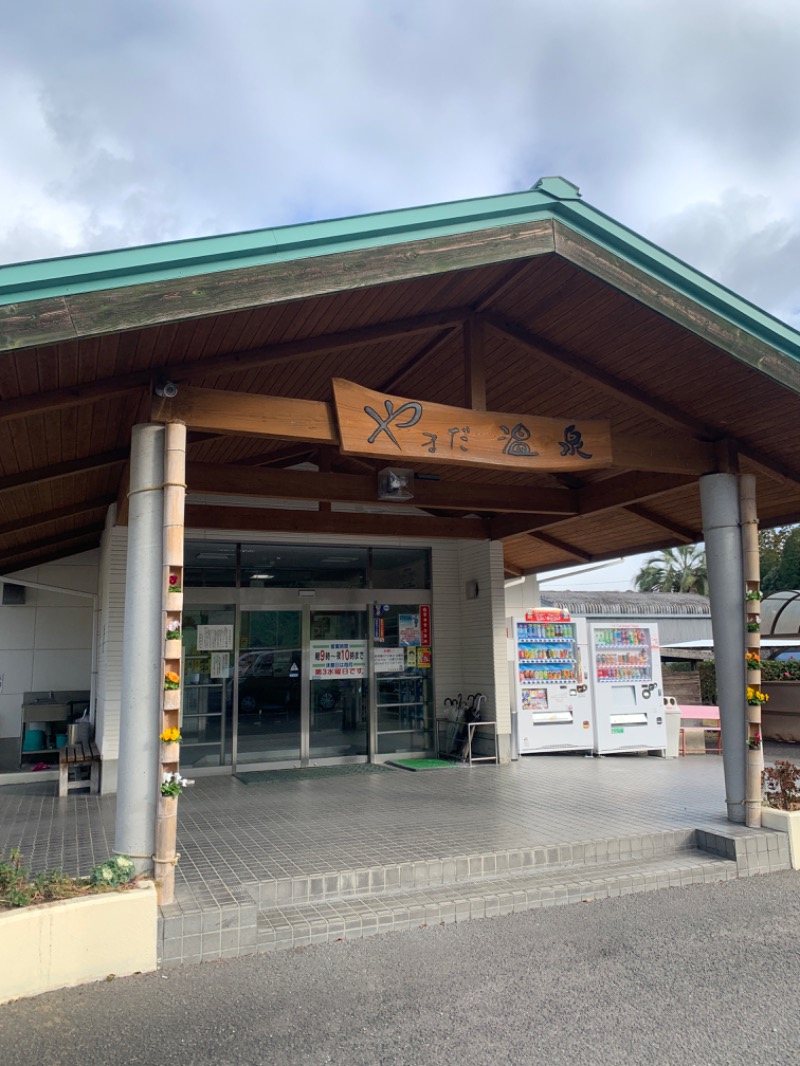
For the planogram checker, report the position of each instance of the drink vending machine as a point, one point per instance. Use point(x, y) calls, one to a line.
point(550, 674)
point(627, 688)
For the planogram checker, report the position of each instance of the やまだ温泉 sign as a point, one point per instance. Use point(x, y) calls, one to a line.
point(393, 427)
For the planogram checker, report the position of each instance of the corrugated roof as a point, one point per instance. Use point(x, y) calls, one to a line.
point(635, 604)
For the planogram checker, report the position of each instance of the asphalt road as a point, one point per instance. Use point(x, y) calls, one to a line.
point(696, 976)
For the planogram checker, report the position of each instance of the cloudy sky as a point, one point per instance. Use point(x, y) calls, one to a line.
point(132, 122)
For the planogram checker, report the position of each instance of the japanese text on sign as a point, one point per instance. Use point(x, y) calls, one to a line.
point(393, 427)
point(338, 658)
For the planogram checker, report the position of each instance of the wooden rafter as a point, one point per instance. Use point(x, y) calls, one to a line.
point(683, 533)
point(334, 487)
point(230, 363)
point(71, 510)
point(562, 545)
point(474, 364)
point(66, 469)
point(571, 363)
point(273, 520)
point(21, 551)
point(593, 499)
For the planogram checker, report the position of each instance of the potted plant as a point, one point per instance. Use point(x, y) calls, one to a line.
point(170, 744)
point(781, 809)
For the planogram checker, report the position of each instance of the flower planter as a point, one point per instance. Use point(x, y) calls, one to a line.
point(73, 941)
point(785, 822)
point(170, 752)
point(172, 649)
point(172, 699)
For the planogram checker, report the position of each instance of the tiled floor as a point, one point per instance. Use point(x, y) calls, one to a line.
point(232, 833)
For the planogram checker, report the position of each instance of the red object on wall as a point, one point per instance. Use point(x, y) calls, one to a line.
point(425, 625)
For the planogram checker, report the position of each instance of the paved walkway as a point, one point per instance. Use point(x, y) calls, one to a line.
point(259, 827)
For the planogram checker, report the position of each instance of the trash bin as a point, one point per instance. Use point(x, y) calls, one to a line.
point(672, 714)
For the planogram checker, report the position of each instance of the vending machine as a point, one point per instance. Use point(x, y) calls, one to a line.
point(627, 688)
point(549, 666)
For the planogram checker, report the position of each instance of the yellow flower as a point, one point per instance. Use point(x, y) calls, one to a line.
point(172, 677)
point(171, 735)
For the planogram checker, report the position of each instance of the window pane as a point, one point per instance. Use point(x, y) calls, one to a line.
point(400, 568)
point(208, 565)
point(289, 566)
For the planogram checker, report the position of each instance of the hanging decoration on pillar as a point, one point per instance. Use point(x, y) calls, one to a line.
point(171, 782)
point(755, 697)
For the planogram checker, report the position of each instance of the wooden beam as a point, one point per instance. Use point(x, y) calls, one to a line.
point(228, 363)
point(20, 551)
point(474, 364)
point(333, 487)
point(272, 520)
point(569, 362)
point(674, 453)
point(123, 501)
point(562, 545)
point(425, 352)
point(65, 469)
point(151, 303)
point(68, 511)
point(663, 297)
point(596, 497)
point(515, 571)
point(248, 414)
point(629, 488)
point(683, 533)
point(64, 548)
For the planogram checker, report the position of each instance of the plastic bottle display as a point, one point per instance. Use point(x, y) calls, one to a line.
point(546, 652)
point(623, 654)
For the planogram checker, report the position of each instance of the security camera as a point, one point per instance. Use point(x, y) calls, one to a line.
point(168, 390)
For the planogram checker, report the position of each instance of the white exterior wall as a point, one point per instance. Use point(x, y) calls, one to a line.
point(46, 643)
point(483, 632)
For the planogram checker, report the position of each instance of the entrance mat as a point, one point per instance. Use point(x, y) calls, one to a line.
point(422, 764)
point(309, 773)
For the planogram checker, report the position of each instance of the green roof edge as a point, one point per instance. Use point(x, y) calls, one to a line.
point(550, 198)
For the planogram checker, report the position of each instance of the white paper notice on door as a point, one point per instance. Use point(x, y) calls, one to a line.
point(390, 660)
point(220, 664)
point(214, 638)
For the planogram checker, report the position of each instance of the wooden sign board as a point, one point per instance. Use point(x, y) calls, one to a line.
point(396, 428)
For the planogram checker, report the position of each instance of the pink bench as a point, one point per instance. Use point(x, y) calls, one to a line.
point(696, 723)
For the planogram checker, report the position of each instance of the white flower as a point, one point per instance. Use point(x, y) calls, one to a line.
point(106, 874)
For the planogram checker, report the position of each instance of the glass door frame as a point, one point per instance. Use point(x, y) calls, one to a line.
point(306, 600)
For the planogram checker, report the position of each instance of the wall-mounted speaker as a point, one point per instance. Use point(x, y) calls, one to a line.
point(13, 595)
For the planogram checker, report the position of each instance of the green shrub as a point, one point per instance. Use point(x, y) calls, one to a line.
point(19, 887)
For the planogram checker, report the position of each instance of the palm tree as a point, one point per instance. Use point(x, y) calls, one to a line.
point(675, 570)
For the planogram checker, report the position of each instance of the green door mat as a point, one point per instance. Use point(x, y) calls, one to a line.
point(422, 764)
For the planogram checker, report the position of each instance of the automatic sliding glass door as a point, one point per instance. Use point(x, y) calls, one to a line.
point(270, 687)
point(339, 654)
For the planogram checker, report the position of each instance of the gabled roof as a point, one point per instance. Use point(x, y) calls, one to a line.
point(578, 315)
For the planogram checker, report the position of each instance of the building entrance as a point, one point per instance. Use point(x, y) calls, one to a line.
point(302, 686)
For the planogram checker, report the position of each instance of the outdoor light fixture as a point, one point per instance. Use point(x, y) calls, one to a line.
point(395, 483)
point(168, 389)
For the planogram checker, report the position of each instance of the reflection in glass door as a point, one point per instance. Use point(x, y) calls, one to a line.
point(270, 672)
point(338, 653)
point(207, 686)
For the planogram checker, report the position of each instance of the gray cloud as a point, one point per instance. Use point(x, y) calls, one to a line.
point(134, 123)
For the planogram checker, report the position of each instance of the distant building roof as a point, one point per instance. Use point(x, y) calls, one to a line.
point(635, 604)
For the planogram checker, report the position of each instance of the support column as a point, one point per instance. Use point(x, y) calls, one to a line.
point(719, 499)
point(142, 680)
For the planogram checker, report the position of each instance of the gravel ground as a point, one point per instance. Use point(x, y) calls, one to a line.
point(695, 976)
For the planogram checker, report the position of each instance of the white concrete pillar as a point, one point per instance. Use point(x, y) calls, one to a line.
point(719, 500)
point(142, 683)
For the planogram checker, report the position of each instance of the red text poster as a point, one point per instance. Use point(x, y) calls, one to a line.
point(425, 625)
